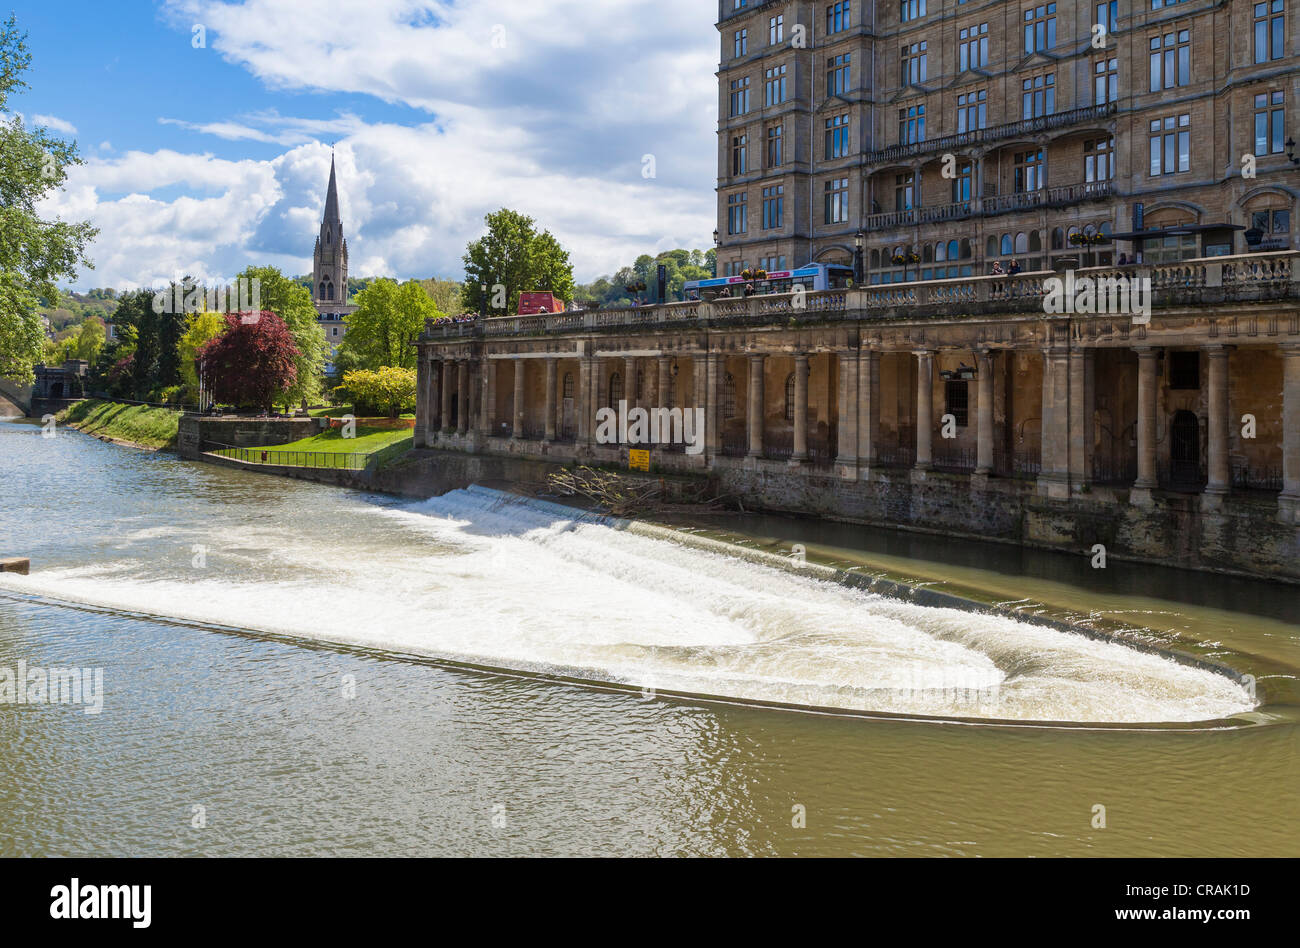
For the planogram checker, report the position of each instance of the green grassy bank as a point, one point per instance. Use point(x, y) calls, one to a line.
point(138, 424)
point(330, 449)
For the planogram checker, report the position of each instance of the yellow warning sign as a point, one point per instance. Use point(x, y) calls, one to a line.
point(638, 460)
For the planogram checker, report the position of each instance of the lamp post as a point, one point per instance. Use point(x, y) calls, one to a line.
point(717, 246)
point(1290, 151)
point(857, 257)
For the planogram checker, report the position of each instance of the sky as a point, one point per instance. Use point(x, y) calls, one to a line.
point(206, 128)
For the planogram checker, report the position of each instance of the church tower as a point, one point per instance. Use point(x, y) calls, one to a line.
point(330, 260)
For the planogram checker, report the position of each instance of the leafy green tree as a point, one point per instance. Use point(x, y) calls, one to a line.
point(90, 340)
point(200, 328)
point(446, 295)
point(292, 303)
point(387, 388)
point(388, 320)
point(514, 255)
point(34, 253)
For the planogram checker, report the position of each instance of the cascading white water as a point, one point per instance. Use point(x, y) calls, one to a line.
point(483, 576)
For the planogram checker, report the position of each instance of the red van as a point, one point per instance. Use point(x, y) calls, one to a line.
point(530, 304)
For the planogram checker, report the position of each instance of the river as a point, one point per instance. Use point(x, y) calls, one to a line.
point(295, 669)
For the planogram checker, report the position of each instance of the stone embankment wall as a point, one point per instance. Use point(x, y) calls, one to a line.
point(198, 434)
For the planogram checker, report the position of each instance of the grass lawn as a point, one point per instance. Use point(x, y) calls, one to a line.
point(338, 411)
point(329, 449)
point(139, 424)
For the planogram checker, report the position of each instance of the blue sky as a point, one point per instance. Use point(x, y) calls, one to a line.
point(204, 160)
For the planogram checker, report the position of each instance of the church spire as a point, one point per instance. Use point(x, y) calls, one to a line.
point(331, 215)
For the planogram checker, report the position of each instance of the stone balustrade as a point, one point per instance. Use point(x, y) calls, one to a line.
point(1245, 277)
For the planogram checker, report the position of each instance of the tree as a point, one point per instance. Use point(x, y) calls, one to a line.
point(90, 340)
point(388, 388)
point(292, 303)
point(388, 320)
point(514, 255)
point(252, 363)
point(34, 253)
point(446, 295)
point(202, 328)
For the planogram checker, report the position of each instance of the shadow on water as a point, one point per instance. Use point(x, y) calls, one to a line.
point(1177, 586)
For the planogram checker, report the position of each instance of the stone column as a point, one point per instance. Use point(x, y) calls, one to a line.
point(984, 413)
point(423, 382)
point(1146, 428)
point(754, 410)
point(800, 454)
point(521, 374)
point(924, 409)
point(665, 384)
point(552, 385)
point(446, 378)
point(586, 402)
point(462, 396)
point(868, 409)
point(1054, 466)
point(1289, 500)
point(846, 448)
point(1082, 368)
point(715, 377)
point(1220, 478)
point(433, 399)
point(629, 382)
point(487, 406)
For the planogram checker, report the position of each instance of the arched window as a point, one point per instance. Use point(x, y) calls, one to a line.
point(1058, 238)
point(1022, 243)
point(927, 254)
point(728, 396)
point(789, 397)
point(1035, 242)
point(1105, 232)
point(330, 289)
point(329, 236)
point(1006, 245)
point(991, 247)
point(568, 385)
point(953, 252)
point(875, 259)
point(967, 248)
point(321, 294)
point(615, 390)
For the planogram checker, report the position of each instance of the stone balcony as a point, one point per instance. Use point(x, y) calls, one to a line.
point(963, 141)
point(1065, 195)
point(1204, 281)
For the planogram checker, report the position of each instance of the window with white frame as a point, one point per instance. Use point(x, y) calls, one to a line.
point(1171, 139)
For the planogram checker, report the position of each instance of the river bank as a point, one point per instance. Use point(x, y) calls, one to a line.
point(135, 426)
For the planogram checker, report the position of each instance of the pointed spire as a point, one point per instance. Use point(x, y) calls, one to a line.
point(332, 199)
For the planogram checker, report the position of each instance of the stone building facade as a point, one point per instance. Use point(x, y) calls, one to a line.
point(945, 135)
point(935, 394)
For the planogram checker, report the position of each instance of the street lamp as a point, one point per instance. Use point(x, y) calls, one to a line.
point(858, 240)
point(1290, 151)
point(717, 246)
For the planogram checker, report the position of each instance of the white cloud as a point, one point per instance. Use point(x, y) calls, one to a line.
point(554, 124)
point(55, 124)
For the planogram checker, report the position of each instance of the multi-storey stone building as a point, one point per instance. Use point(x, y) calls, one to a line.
point(953, 134)
point(938, 394)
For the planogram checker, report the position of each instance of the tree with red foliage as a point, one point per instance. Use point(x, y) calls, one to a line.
point(251, 362)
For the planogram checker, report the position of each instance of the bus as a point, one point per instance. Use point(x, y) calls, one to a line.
point(813, 276)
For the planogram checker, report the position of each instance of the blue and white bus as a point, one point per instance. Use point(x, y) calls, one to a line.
point(813, 276)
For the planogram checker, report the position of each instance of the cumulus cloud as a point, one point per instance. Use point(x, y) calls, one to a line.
point(546, 107)
point(55, 124)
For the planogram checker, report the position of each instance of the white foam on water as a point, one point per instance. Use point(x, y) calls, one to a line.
point(484, 576)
